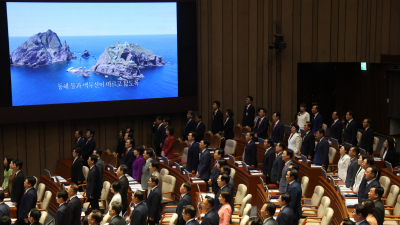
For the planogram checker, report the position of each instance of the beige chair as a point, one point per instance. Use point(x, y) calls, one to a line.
point(315, 201)
point(245, 220)
point(240, 195)
point(375, 145)
point(168, 187)
point(331, 156)
point(246, 212)
point(103, 197)
point(326, 219)
point(36, 184)
point(233, 173)
point(230, 147)
point(325, 203)
point(304, 185)
point(394, 217)
point(184, 155)
point(85, 171)
point(43, 217)
point(385, 183)
point(40, 192)
point(106, 219)
point(46, 201)
point(324, 126)
point(163, 172)
point(391, 198)
point(173, 220)
point(246, 200)
point(359, 136)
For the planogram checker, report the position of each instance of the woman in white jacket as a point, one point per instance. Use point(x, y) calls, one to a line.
point(344, 162)
point(294, 141)
point(115, 189)
point(359, 175)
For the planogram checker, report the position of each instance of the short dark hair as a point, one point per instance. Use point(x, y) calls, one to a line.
point(286, 197)
point(130, 129)
point(296, 126)
point(97, 215)
point(337, 113)
point(5, 220)
point(220, 152)
point(194, 134)
point(258, 109)
point(255, 221)
point(321, 131)
point(155, 164)
point(36, 214)
point(357, 149)
point(166, 119)
point(379, 190)
point(139, 195)
point(79, 132)
point(264, 110)
point(230, 112)
point(117, 207)
point(369, 121)
point(159, 118)
point(374, 170)
point(227, 169)
point(303, 105)
point(18, 163)
point(2, 195)
point(187, 186)
point(217, 103)
point(171, 130)
point(360, 208)
point(295, 166)
point(351, 113)
point(91, 131)
point(77, 150)
point(294, 173)
point(370, 205)
point(189, 209)
point(347, 221)
point(316, 107)
point(199, 116)
point(282, 144)
point(370, 160)
point(190, 112)
point(251, 133)
point(139, 149)
point(269, 141)
point(270, 207)
point(74, 188)
point(116, 186)
point(130, 141)
point(154, 179)
point(149, 152)
point(98, 151)
point(226, 195)
point(62, 194)
point(289, 152)
point(210, 200)
point(251, 98)
point(206, 142)
point(225, 177)
point(124, 168)
point(277, 114)
point(309, 124)
point(130, 136)
point(93, 158)
point(31, 180)
point(222, 162)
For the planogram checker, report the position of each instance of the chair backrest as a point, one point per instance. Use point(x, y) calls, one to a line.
point(208, 135)
point(43, 217)
point(105, 157)
point(241, 193)
point(105, 190)
point(396, 211)
point(391, 197)
point(359, 135)
point(40, 191)
point(385, 183)
point(327, 217)
point(247, 210)
point(85, 171)
point(246, 200)
point(324, 126)
point(106, 219)
point(317, 195)
point(216, 141)
point(304, 185)
point(112, 159)
point(246, 129)
point(375, 145)
point(230, 146)
point(36, 184)
point(332, 154)
point(245, 220)
point(174, 219)
point(184, 144)
point(46, 200)
point(164, 172)
point(185, 154)
point(325, 203)
point(168, 186)
point(233, 173)
point(236, 132)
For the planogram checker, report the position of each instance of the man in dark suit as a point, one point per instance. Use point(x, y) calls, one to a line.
point(93, 187)
point(189, 214)
point(223, 181)
point(153, 201)
point(316, 119)
point(287, 156)
point(211, 217)
point(77, 176)
point(4, 208)
point(80, 141)
point(28, 200)
point(122, 170)
point(336, 127)
point(295, 192)
point(203, 169)
point(18, 190)
point(129, 157)
point(190, 125)
point(34, 217)
point(375, 194)
point(267, 212)
point(186, 199)
point(114, 211)
point(75, 204)
point(321, 156)
point(350, 130)
point(99, 164)
point(227, 170)
point(367, 183)
point(212, 182)
point(286, 215)
point(268, 159)
point(139, 215)
point(90, 145)
point(95, 217)
point(250, 151)
point(200, 128)
point(278, 129)
point(353, 166)
point(249, 112)
point(193, 154)
point(308, 145)
point(276, 172)
point(360, 214)
point(367, 139)
point(159, 131)
point(261, 127)
point(217, 119)
point(64, 213)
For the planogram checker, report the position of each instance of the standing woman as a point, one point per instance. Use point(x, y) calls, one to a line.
point(12, 177)
point(294, 141)
point(7, 171)
point(121, 143)
point(225, 211)
point(168, 147)
point(137, 165)
point(302, 116)
point(344, 162)
point(389, 153)
point(228, 127)
point(115, 189)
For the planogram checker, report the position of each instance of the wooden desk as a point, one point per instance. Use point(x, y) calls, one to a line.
point(262, 197)
point(312, 173)
point(394, 180)
point(13, 209)
point(53, 188)
point(337, 204)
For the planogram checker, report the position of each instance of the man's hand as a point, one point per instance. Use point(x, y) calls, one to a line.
point(193, 171)
point(309, 157)
point(255, 135)
point(79, 182)
point(15, 204)
point(160, 145)
point(197, 174)
point(26, 220)
point(91, 197)
point(209, 182)
point(151, 219)
point(277, 182)
point(267, 175)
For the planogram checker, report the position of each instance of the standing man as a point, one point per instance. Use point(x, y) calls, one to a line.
point(90, 145)
point(146, 174)
point(227, 170)
point(95, 217)
point(249, 113)
point(212, 182)
point(122, 169)
point(77, 176)
point(210, 217)
point(295, 192)
point(159, 131)
point(75, 204)
point(223, 181)
point(353, 166)
point(287, 158)
point(139, 215)
point(99, 164)
point(18, 185)
point(193, 154)
point(129, 157)
point(80, 141)
point(350, 130)
point(93, 187)
point(186, 199)
point(153, 201)
point(316, 119)
point(367, 139)
point(308, 145)
point(360, 214)
point(34, 217)
point(276, 172)
point(267, 212)
point(217, 121)
point(286, 215)
point(250, 150)
point(28, 200)
point(203, 170)
point(114, 211)
point(200, 128)
point(321, 156)
point(261, 128)
point(367, 183)
point(375, 194)
point(278, 130)
point(190, 124)
point(4, 208)
point(268, 160)
point(64, 213)
point(336, 127)
point(189, 214)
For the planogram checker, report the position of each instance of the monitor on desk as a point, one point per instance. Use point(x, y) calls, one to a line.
point(178, 167)
point(58, 182)
point(262, 182)
point(304, 159)
point(48, 174)
point(389, 166)
point(165, 160)
point(362, 151)
point(51, 222)
point(332, 180)
point(245, 167)
point(187, 174)
point(348, 144)
point(232, 159)
point(334, 142)
point(267, 190)
point(198, 188)
point(261, 141)
point(323, 173)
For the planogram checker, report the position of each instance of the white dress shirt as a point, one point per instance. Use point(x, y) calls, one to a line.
point(294, 143)
point(343, 164)
point(302, 119)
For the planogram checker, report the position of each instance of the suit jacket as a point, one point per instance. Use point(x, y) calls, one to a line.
point(153, 204)
point(168, 147)
point(285, 217)
point(124, 191)
point(64, 215)
point(100, 165)
point(80, 143)
point(248, 116)
point(364, 222)
point(159, 131)
point(271, 221)
point(268, 162)
point(261, 129)
point(336, 131)
point(351, 172)
point(321, 156)
point(277, 133)
point(308, 146)
point(4, 210)
point(391, 157)
point(146, 174)
point(228, 128)
point(364, 189)
point(317, 122)
point(294, 143)
point(214, 177)
point(189, 127)
point(76, 171)
point(217, 122)
point(193, 157)
point(204, 165)
point(217, 204)
point(139, 215)
point(18, 188)
point(193, 222)
point(283, 183)
point(137, 167)
point(128, 160)
point(28, 202)
point(210, 218)
point(367, 140)
point(379, 212)
point(350, 132)
point(250, 154)
point(276, 172)
point(295, 192)
point(186, 200)
point(93, 186)
point(88, 149)
point(76, 208)
point(118, 220)
point(200, 130)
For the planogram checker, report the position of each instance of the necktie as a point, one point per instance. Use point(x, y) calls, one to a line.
point(181, 198)
point(274, 126)
point(259, 123)
point(127, 150)
point(364, 131)
point(332, 124)
point(25, 192)
point(347, 124)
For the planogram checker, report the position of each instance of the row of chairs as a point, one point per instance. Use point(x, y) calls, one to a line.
point(110, 158)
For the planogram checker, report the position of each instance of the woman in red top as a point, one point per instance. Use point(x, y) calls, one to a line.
point(168, 147)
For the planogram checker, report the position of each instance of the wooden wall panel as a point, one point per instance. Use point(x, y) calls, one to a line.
point(33, 152)
point(351, 32)
point(394, 27)
point(324, 31)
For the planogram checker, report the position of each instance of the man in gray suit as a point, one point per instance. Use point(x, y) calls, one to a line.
point(267, 213)
point(287, 156)
point(99, 164)
point(146, 174)
point(353, 167)
point(4, 208)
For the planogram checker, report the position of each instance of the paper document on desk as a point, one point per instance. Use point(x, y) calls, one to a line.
point(256, 174)
point(274, 200)
point(277, 191)
point(10, 204)
point(130, 179)
point(7, 199)
point(351, 201)
point(198, 181)
point(313, 165)
point(336, 178)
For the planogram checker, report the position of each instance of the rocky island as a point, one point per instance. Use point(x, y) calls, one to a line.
point(126, 60)
point(85, 54)
point(41, 49)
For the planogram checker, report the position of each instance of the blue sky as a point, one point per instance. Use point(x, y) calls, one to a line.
point(91, 19)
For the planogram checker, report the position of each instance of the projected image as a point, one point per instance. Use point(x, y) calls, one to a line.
point(86, 52)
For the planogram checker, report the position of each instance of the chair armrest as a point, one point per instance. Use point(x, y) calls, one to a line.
point(238, 157)
point(309, 210)
point(389, 206)
point(305, 199)
point(237, 203)
point(41, 209)
point(239, 217)
point(307, 220)
point(390, 209)
point(391, 219)
point(236, 213)
point(237, 207)
point(310, 205)
point(69, 180)
point(333, 165)
point(391, 216)
point(168, 207)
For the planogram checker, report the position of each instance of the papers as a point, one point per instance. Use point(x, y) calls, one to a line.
point(256, 173)
point(130, 179)
point(198, 181)
point(277, 191)
point(196, 178)
point(351, 201)
point(227, 158)
point(277, 210)
point(336, 178)
point(133, 182)
point(79, 195)
point(274, 200)
point(377, 159)
point(10, 204)
point(83, 214)
point(7, 199)
point(313, 165)
point(61, 179)
point(211, 152)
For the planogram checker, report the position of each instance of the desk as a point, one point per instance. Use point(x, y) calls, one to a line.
point(53, 188)
point(13, 209)
point(312, 173)
point(337, 203)
point(262, 197)
point(394, 180)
